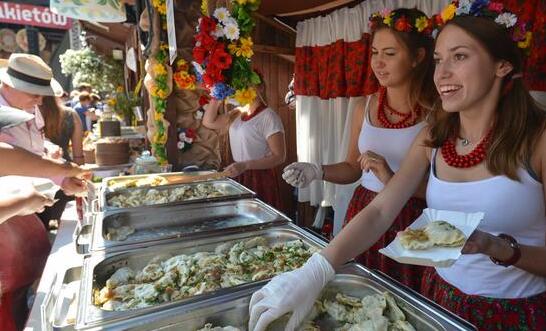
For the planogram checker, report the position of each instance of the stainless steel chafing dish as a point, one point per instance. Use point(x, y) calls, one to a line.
point(57, 309)
point(232, 189)
point(98, 267)
point(352, 279)
point(109, 182)
point(173, 222)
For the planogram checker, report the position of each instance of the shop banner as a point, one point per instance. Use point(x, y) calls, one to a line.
point(15, 13)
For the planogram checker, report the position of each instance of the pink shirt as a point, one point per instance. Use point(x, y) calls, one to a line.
point(28, 136)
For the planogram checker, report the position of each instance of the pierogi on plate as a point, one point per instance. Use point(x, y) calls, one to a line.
point(435, 233)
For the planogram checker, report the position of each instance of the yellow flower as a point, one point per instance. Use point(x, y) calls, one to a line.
point(242, 2)
point(119, 89)
point(182, 65)
point(160, 5)
point(421, 23)
point(388, 19)
point(159, 69)
point(527, 42)
point(111, 102)
point(448, 12)
point(205, 7)
point(158, 116)
point(246, 96)
point(162, 94)
point(244, 50)
point(160, 138)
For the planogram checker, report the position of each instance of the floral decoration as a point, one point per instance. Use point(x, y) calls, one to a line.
point(182, 76)
point(186, 137)
point(160, 92)
point(399, 22)
point(161, 7)
point(223, 51)
point(489, 9)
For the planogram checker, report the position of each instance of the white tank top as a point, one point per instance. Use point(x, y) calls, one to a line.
point(392, 144)
point(511, 207)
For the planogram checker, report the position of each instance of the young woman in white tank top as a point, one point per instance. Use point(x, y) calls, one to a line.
point(486, 151)
point(382, 131)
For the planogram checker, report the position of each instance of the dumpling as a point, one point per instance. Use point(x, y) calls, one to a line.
point(441, 233)
point(414, 239)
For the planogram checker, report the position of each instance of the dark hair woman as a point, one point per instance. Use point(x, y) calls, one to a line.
point(384, 127)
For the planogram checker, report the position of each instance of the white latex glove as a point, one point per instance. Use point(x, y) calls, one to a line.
point(291, 292)
point(301, 174)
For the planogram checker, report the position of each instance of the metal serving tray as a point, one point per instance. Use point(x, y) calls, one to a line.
point(234, 191)
point(56, 307)
point(351, 279)
point(173, 222)
point(108, 181)
point(99, 266)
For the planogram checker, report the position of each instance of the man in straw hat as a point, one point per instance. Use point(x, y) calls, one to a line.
point(25, 244)
point(23, 83)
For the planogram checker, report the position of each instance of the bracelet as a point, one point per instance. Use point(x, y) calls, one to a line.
point(515, 256)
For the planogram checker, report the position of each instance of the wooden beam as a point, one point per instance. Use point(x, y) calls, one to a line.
point(289, 58)
point(276, 24)
point(273, 49)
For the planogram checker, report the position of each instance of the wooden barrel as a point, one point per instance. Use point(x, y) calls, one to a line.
point(111, 153)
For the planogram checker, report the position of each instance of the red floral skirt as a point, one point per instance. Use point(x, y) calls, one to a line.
point(487, 314)
point(265, 183)
point(410, 275)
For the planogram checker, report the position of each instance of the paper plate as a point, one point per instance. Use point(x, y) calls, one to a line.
point(45, 186)
point(441, 257)
point(92, 10)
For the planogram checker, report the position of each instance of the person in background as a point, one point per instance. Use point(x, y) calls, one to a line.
point(382, 131)
point(484, 150)
point(24, 82)
point(83, 108)
point(256, 137)
point(73, 99)
point(63, 127)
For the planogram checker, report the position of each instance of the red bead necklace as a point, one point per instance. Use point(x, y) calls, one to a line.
point(406, 120)
point(476, 156)
point(247, 117)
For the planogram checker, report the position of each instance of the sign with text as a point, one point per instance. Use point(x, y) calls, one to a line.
point(15, 13)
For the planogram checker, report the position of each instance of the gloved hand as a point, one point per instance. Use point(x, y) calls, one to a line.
point(294, 291)
point(301, 174)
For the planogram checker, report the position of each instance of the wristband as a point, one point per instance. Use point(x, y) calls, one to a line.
point(515, 256)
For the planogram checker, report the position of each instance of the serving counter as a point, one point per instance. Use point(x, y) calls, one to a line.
point(136, 268)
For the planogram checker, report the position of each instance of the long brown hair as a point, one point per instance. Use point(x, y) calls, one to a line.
point(518, 120)
point(53, 112)
point(422, 89)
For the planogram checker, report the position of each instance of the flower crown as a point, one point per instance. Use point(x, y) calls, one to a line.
point(401, 22)
point(491, 10)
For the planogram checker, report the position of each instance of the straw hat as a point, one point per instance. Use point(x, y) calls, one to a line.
point(10, 117)
point(29, 73)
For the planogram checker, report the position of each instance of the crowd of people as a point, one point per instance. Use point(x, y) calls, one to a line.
point(451, 127)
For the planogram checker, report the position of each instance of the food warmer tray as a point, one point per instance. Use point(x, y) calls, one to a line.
point(108, 182)
point(234, 191)
point(351, 279)
point(99, 266)
point(174, 222)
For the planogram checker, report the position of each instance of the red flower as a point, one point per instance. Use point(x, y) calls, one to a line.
point(199, 54)
point(203, 100)
point(220, 58)
point(212, 76)
point(206, 25)
point(438, 20)
point(496, 6)
point(190, 133)
point(402, 25)
point(206, 41)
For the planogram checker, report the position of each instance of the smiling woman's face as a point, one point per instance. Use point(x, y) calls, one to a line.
point(465, 72)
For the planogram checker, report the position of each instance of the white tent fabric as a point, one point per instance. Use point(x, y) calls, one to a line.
point(323, 125)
